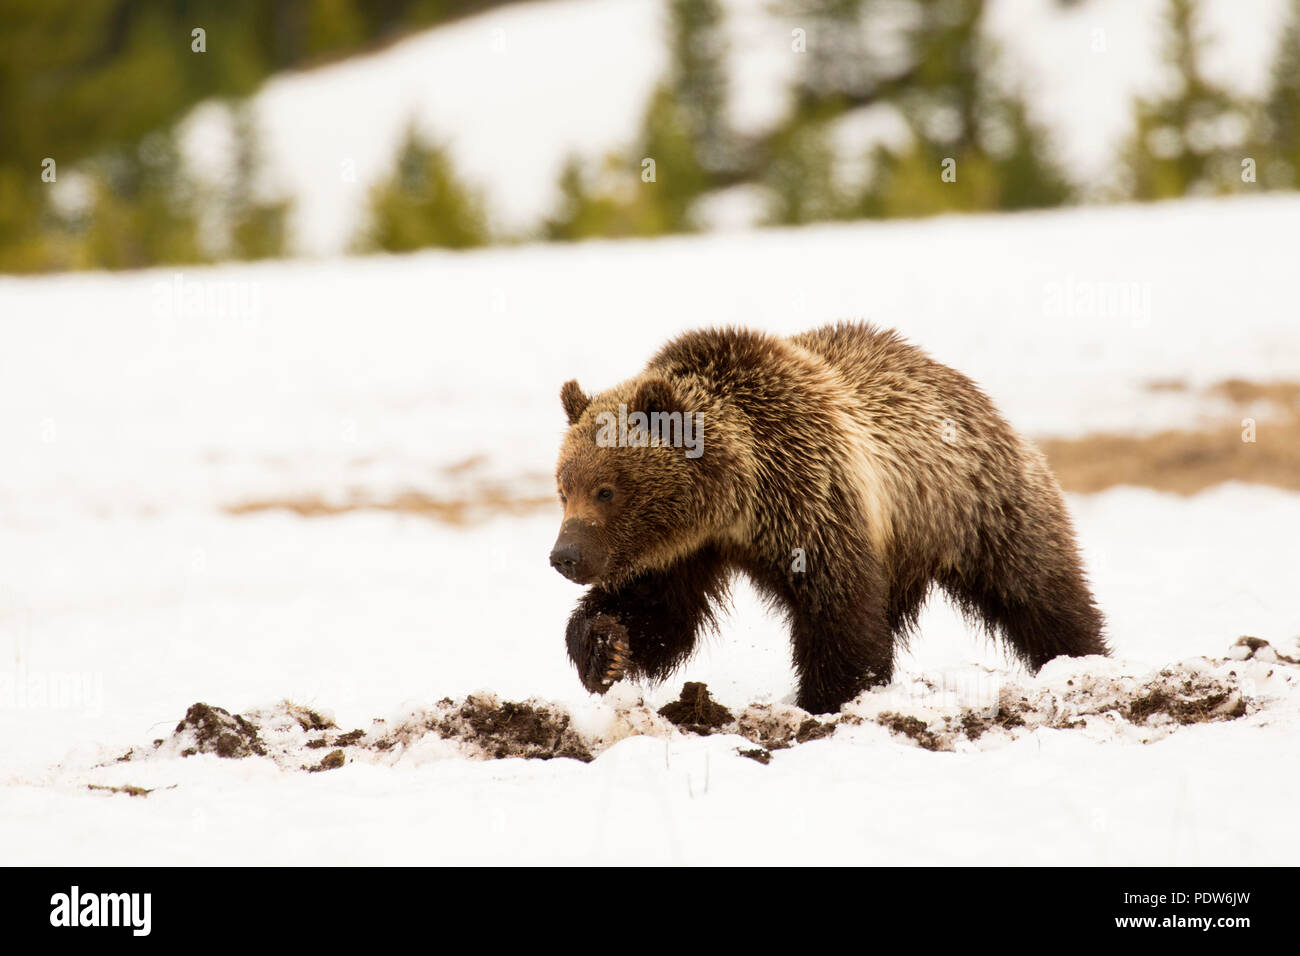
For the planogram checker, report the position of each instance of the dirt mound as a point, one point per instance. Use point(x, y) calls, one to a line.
point(331, 761)
point(500, 729)
point(217, 731)
point(1100, 698)
point(781, 726)
point(480, 726)
point(1190, 707)
point(695, 711)
point(1249, 648)
point(912, 727)
point(1106, 704)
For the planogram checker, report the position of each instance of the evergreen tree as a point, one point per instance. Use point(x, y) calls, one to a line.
point(424, 203)
point(1191, 140)
point(144, 209)
point(799, 175)
point(256, 226)
point(683, 147)
point(697, 81)
point(940, 75)
point(1281, 133)
point(607, 202)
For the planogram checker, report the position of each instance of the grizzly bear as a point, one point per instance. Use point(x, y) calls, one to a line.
point(844, 472)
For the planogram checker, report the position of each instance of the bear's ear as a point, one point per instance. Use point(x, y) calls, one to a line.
point(574, 400)
point(656, 395)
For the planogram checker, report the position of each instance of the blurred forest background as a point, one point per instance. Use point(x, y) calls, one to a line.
point(98, 86)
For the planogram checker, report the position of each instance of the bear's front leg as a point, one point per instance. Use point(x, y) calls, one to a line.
point(647, 627)
point(840, 630)
point(599, 647)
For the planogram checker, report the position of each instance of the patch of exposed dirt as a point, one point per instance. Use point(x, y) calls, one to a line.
point(1191, 708)
point(460, 512)
point(308, 719)
point(470, 494)
point(342, 740)
point(912, 727)
point(217, 731)
point(128, 789)
point(1102, 700)
point(1243, 392)
point(779, 726)
point(974, 724)
point(1196, 692)
point(331, 761)
point(813, 729)
point(511, 729)
point(1255, 648)
point(696, 711)
point(1186, 461)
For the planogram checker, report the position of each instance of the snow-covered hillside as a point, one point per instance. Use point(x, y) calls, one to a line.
point(138, 408)
point(547, 80)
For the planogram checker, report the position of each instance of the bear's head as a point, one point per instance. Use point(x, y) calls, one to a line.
point(629, 477)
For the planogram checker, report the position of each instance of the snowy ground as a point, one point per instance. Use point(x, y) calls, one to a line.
point(134, 414)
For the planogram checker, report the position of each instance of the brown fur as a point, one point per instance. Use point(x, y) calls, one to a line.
point(889, 471)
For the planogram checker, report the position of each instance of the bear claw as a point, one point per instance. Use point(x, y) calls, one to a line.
point(614, 644)
point(618, 659)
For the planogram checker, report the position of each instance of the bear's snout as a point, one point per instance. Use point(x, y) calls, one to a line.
point(576, 555)
point(565, 558)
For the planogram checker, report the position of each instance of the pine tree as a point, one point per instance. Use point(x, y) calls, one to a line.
point(144, 209)
point(256, 226)
point(1190, 140)
point(697, 80)
point(424, 203)
point(941, 78)
point(1282, 109)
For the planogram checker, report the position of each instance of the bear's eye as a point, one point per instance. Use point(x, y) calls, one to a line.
point(605, 494)
point(563, 500)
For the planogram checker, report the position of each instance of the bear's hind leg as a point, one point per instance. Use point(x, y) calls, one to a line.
point(1033, 591)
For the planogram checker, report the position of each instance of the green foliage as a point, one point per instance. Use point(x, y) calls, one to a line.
point(333, 25)
point(680, 177)
point(1191, 140)
point(423, 203)
point(256, 226)
point(144, 209)
point(1278, 131)
point(78, 76)
point(799, 175)
point(26, 240)
point(697, 87)
point(608, 201)
point(89, 83)
point(85, 81)
point(684, 135)
point(940, 79)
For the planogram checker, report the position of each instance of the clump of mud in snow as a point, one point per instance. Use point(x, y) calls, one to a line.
point(696, 711)
point(1094, 696)
point(533, 729)
point(213, 730)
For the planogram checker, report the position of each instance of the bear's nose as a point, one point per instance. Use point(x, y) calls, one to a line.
point(565, 558)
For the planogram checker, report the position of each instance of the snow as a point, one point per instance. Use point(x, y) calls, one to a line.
point(138, 407)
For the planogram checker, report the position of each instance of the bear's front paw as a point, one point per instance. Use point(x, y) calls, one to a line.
point(609, 653)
